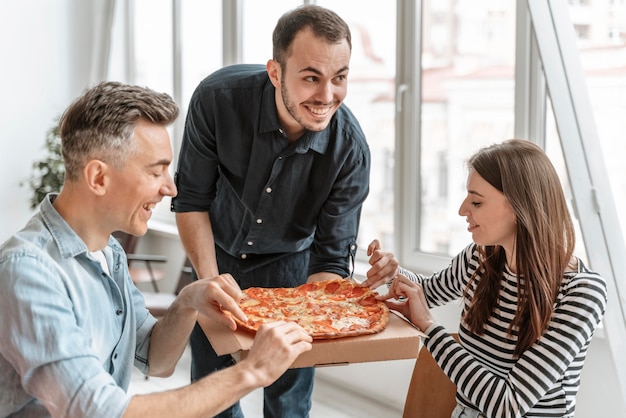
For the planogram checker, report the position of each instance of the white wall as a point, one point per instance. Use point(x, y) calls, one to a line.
point(45, 52)
point(43, 68)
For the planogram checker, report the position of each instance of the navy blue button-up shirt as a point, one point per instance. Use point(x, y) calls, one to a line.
point(267, 197)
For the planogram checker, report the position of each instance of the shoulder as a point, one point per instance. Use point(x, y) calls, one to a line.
point(235, 76)
point(28, 270)
point(583, 276)
point(347, 138)
point(32, 242)
point(344, 122)
point(585, 283)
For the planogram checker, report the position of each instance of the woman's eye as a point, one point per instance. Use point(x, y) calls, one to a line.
point(475, 204)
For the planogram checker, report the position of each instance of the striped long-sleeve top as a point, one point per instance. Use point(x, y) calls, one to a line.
point(544, 380)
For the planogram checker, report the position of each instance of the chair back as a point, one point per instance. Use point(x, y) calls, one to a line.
point(431, 393)
point(185, 276)
point(128, 241)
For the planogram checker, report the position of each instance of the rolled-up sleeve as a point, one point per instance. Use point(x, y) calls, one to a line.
point(196, 175)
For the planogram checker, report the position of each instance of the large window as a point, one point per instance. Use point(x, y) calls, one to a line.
point(467, 101)
point(431, 81)
point(425, 110)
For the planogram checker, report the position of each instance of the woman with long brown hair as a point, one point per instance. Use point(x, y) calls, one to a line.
point(530, 307)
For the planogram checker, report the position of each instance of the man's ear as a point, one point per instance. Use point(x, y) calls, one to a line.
point(273, 70)
point(96, 174)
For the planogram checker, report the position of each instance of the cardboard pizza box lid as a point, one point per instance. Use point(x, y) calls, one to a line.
point(399, 340)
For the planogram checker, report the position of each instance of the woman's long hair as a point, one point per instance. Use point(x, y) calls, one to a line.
point(544, 239)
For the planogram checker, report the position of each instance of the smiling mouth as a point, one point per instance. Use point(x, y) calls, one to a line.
point(319, 111)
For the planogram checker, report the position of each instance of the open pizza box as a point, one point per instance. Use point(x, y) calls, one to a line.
point(399, 340)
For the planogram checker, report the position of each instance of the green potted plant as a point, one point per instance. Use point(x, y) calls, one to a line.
point(49, 172)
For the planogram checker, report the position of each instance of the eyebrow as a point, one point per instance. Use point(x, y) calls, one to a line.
point(475, 193)
point(318, 72)
point(159, 162)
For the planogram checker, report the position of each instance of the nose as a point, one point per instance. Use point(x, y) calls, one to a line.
point(463, 209)
point(169, 187)
point(325, 92)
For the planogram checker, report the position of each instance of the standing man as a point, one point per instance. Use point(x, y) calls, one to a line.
point(73, 324)
point(272, 174)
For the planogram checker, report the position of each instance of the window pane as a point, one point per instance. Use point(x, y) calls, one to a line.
point(371, 97)
point(201, 49)
point(468, 61)
point(554, 150)
point(259, 19)
point(602, 46)
point(153, 44)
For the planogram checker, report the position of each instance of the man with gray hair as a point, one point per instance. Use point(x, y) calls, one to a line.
point(73, 324)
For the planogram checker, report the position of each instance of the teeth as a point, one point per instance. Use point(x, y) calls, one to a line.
point(322, 111)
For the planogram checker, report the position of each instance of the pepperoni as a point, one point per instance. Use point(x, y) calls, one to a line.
point(358, 291)
point(332, 287)
point(302, 290)
point(316, 307)
point(368, 301)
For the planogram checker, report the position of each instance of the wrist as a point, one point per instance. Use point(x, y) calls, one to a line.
point(184, 303)
point(250, 376)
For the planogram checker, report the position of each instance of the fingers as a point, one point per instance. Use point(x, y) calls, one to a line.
point(401, 307)
point(374, 245)
point(293, 332)
point(276, 346)
point(412, 303)
point(212, 297)
point(401, 288)
point(384, 266)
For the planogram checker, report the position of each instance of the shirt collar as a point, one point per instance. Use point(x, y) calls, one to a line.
point(69, 243)
point(268, 122)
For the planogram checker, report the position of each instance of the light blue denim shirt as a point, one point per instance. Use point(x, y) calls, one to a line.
point(69, 332)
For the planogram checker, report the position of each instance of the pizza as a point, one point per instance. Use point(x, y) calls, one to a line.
point(325, 309)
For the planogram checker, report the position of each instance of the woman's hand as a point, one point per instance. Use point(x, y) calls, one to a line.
point(411, 302)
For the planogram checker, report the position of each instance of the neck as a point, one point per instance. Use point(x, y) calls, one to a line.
point(81, 218)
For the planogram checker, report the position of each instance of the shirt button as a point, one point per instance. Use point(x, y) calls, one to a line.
point(114, 356)
point(250, 243)
point(118, 312)
point(268, 190)
point(259, 221)
point(244, 256)
point(353, 247)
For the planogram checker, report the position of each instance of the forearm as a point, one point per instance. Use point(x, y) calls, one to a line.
point(318, 277)
point(207, 397)
point(169, 338)
point(196, 234)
